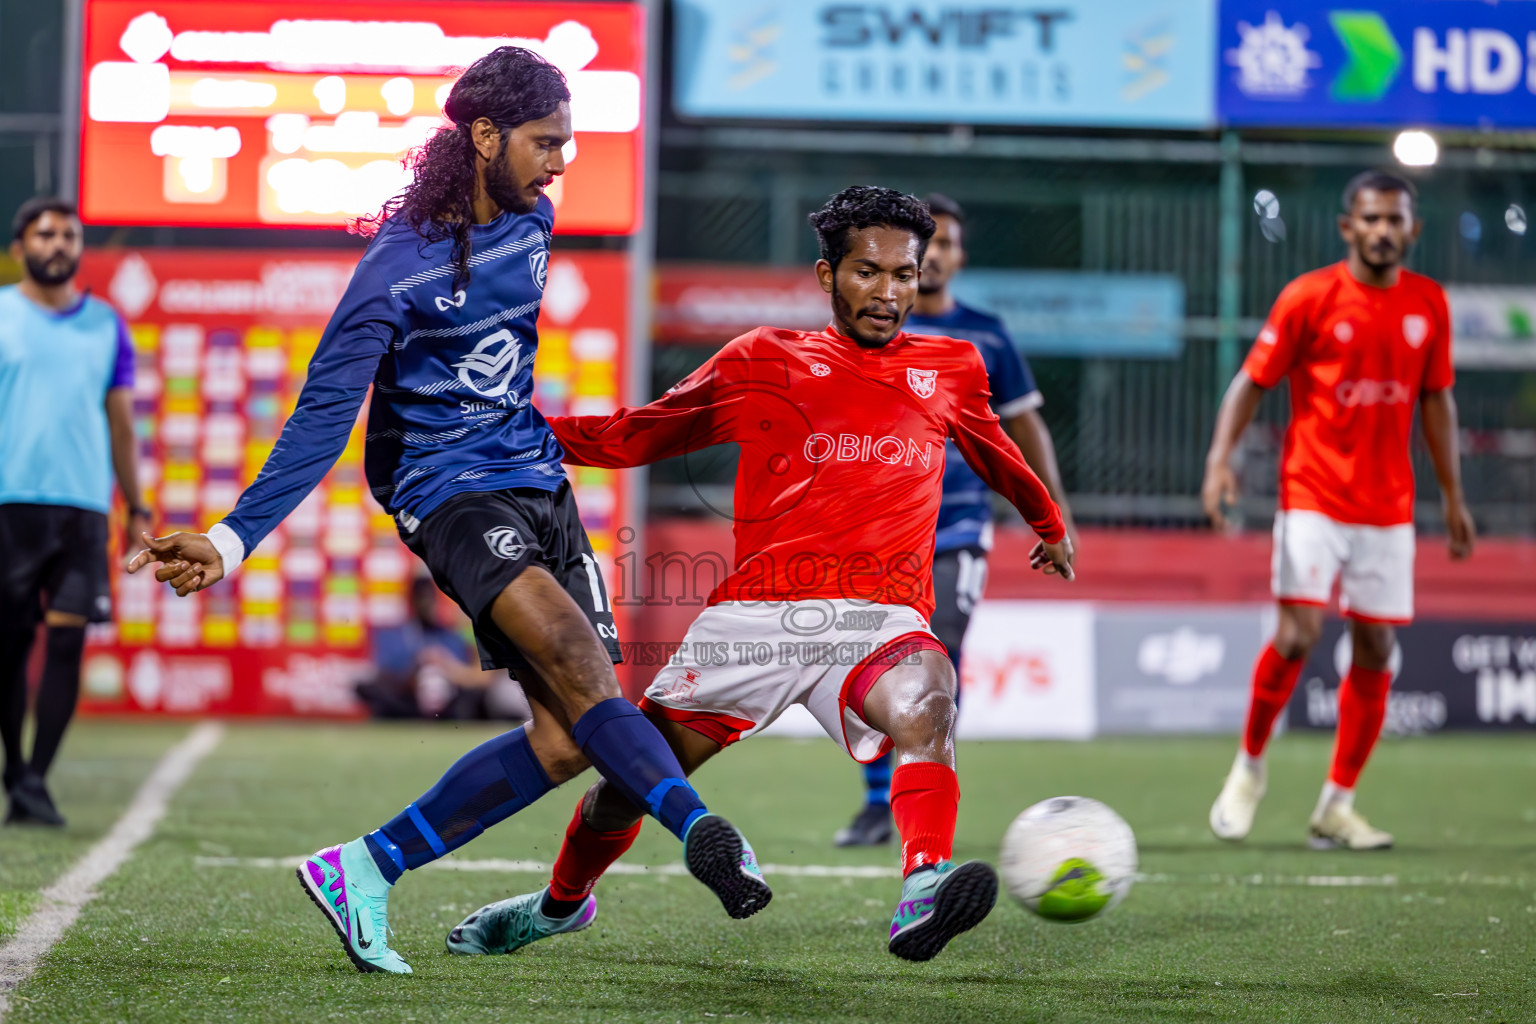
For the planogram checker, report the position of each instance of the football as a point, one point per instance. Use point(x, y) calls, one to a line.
point(1068, 858)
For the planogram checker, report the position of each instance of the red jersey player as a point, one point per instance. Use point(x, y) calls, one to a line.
point(841, 434)
point(1361, 343)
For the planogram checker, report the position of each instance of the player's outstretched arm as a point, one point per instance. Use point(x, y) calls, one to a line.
point(1219, 489)
point(994, 456)
point(189, 562)
point(340, 373)
point(1438, 411)
point(696, 413)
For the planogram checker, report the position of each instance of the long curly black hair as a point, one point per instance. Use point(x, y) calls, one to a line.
point(867, 206)
point(509, 86)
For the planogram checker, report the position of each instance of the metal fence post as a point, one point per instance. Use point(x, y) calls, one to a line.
point(1229, 284)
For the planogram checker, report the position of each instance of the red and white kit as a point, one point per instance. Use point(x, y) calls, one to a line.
point(837, 497)
point(1357, 358)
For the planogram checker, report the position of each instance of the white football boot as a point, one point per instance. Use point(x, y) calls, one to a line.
point(1336, 825)
point(1232, 813)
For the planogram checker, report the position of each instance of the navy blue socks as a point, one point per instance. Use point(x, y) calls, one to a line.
point(623, 744)
point(877, 780)
point(487, 785)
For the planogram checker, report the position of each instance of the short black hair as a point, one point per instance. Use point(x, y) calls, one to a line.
point(940, 204)
point(34, 208)
point(867, 206)
point(1378, 181)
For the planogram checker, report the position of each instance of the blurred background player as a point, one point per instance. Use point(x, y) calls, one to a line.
point(965, 516)
point(1361, 342)
point(790, 400)
point(66, 428)
point(425, 668)
point(459, 455)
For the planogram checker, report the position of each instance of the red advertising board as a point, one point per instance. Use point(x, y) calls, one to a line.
point(255, 114)
point(711, 304)
point(223, 341)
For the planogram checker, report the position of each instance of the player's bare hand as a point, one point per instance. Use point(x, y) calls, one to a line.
point(1218, 492)
point(1461, 531)
point(188, 561)
point(139, 525)
point(1055, 559)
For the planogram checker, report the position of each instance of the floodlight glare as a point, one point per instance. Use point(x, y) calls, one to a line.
point(1416, 149)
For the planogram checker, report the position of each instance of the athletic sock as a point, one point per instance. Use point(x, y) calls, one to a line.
point(1333, 795)
point(925, 797)
point(15, 645)
point(631, 754)
point(584, 856)
point(487, 785)
point(57, 694)
point(1274, 678)
point(877, 781)
point(1362, 708)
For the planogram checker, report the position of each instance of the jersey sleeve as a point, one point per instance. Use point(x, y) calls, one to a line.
point(1014, 391)
point(1280, 342)
point(979, 435)
point(343, 368)
point(699, 411)
point(1439, 368)
point(122, 364)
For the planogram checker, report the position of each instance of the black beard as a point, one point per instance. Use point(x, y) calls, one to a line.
point(499, 187)
point(928, 287)
point(42, 271)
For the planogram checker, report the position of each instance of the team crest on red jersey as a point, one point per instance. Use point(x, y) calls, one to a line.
point(922, 382)
point(1415, 329)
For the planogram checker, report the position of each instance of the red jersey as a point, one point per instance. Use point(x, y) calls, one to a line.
point(842, 457)
point(1357, 358)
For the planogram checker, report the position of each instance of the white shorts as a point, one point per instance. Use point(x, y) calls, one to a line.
point(1373, 564)
point(743, 664)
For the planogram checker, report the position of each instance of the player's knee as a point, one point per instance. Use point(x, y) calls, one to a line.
point(927, 719)
point(1373, 645)
point(1297, 635)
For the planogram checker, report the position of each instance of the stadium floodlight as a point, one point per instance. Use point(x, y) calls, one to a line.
point(1415, 148)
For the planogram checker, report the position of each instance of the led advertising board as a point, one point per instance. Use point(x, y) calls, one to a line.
point(255, 114)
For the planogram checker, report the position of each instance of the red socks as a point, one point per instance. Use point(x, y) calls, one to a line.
point(1273, 680)
point(925, 797)
point(1362, 708)
point(585, 855)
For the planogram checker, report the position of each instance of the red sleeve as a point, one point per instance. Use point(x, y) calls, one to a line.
point(1439, 371)
point(1280, 342)
point(699, 411)
point(979, 435)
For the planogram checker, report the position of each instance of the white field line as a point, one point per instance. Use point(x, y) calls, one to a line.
point(63, 900)
point(538, 867)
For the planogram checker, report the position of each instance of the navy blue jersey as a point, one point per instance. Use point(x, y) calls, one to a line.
point(965, 516)
point(451, 366)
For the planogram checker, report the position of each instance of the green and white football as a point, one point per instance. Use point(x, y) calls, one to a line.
point(1068, 858)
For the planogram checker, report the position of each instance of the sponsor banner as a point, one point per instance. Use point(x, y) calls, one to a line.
point(1028, 671)
point(1129, 63)
point(1446, 675)
point(1398, 63)
point(1494, 325)
point(713, 303)
point(222, 344)
point(1082, 314)
point(280, 113)
point(1173, 668)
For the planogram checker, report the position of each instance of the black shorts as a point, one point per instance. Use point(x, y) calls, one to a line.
point(55, 555)
point(959, 579)
point(477, 543)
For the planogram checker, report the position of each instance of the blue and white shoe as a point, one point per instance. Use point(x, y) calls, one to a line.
point(939, 903)
point(345, 883)
point(508, 925)
point(720, 857)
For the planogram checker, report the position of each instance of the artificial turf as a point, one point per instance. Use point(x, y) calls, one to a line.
point(1442, 928)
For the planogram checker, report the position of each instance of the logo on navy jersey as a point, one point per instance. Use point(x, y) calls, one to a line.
point(489, 369)
point(923, 382)
point(444, 304)
point(505, 543)
point(538, 263)
point(1415, 329)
